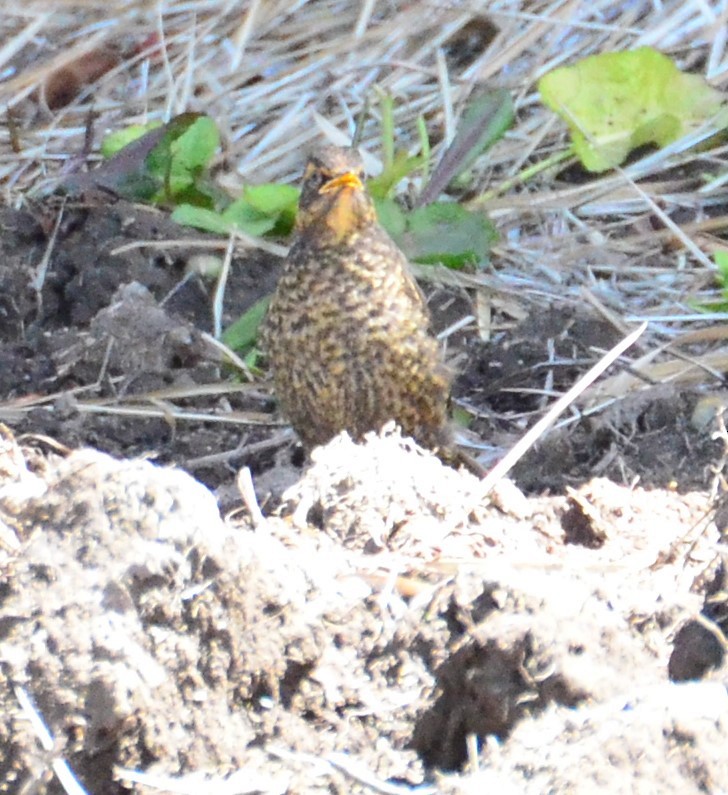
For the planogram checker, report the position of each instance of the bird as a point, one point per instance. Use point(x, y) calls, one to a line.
point(347, 332)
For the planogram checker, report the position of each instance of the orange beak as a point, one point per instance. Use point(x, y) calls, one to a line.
point(347, 180)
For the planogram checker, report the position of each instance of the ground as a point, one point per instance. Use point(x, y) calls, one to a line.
point(188, 604)
point(155, 637)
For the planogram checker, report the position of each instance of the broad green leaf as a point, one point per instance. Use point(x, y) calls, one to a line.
point(262, 209)
point(272, 198)
point(243, 332)
point(188, 147)
point(243, 216)
point(617, 101)
point(117, 140)
point(391, 216)
point(238, 216)
point(279, 202)
point(447, 233)
point(484, 122)
point(192, 152)
point(201, 218)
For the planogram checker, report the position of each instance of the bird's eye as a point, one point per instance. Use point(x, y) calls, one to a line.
point(319, 179)
point(314, 177)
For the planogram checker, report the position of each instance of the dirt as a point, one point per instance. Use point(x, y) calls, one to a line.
point(119, 317)
point(381, 625)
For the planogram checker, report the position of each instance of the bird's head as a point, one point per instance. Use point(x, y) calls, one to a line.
point(334, 203)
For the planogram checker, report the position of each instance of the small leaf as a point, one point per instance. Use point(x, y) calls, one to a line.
point(709, 306)
point(617, 101)
point(243, 332)
point(447, 233)
point(262, 209)
point(462, 417)
point(484, 122)
point(252, 359)
point(117, 140)
point(720, 258)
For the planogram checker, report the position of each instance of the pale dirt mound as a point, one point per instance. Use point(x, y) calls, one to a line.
point(154, 637)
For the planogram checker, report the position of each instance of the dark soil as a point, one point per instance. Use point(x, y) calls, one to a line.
point(119, 320)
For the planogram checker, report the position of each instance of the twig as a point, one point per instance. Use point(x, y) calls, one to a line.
point(218, 297)
point(42, 269)
point(244, 482)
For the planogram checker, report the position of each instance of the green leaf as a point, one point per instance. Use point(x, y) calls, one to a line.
point(391, 216)
point(244, 217)
point(616, 102)
point(201, 218)
point(117, 140)
point(279, 202)
point(484, 122)
point(187, 148)
point(262, 209)
point(462, 417)
point(252, 359)
point(720, 305)
point(192, 153)
point(124, 174)
point(159, 163)
point(272, 198)
point(243, 332)
point(721, 262)
point(239, 216)
point(447, 233)
point(709, 306)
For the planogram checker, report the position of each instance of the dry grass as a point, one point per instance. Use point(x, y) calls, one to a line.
point(280, 76)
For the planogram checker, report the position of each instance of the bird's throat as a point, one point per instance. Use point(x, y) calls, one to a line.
point(344, 216)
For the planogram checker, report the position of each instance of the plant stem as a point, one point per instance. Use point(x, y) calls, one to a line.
point(387, 106)
point(424, 148)
point(523, 176)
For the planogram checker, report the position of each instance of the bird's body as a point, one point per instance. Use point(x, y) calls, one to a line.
point(347, 332)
